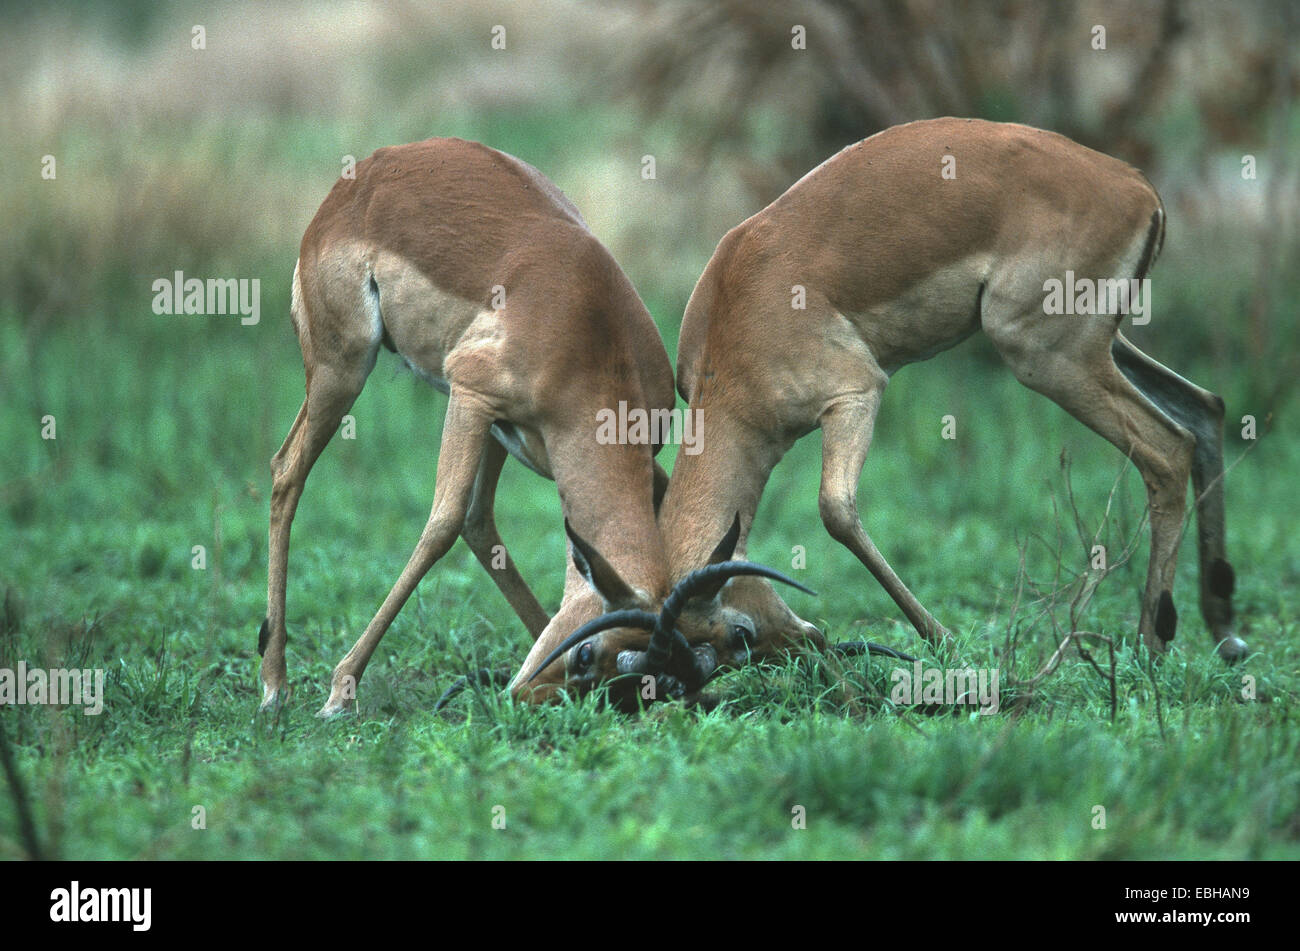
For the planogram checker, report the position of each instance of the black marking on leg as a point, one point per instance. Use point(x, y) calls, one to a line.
point(1222, 580)
point(979, 301)
point(384, 338)
point(1155, 237)
point(1166, 617)
point(263, 636)
point(1172, 397)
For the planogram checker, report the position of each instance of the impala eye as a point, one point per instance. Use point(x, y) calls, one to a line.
point(741, 636)
point(586, 653)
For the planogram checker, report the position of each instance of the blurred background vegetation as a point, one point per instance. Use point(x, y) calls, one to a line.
point(212, 161)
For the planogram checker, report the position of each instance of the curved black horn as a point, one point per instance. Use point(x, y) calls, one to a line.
point(484, 677)
point(628, 618)
point(700, 580)
point(858, 648)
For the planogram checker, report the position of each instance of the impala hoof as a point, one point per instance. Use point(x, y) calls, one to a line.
point(1232, 649)
point(273, 698)
point(338, 704)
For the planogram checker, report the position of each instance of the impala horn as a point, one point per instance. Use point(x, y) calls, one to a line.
point(484, 677)
point(667, 644)
point(703, 581)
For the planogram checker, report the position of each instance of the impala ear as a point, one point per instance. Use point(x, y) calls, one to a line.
point(727, 547)
point(661, 486)
point(600, 574)
point(724, 552)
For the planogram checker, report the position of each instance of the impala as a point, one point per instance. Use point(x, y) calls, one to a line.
point(898, 261)
point(485, 280)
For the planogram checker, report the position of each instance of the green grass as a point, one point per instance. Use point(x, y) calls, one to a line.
point(162, 445)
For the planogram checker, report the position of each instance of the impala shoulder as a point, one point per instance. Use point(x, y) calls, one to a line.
point(742, 249)
point(710, 290)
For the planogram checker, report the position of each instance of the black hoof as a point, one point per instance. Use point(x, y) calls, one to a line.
point(1232, 649)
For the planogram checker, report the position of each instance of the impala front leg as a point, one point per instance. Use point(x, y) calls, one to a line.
point(846, 436)
point(480, 534)
point(464, 438)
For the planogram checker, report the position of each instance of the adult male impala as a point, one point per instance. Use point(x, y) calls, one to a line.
point(898, 263)
point(484, 278)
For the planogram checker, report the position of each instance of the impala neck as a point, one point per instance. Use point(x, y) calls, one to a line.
point(607, 493)
point(707, 489)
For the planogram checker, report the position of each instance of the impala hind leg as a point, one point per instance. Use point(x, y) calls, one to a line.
point(1086, 383)
point(1201, 413)
point(465, 435)
point(330, 393)
point(847, 428)
point(480, 533)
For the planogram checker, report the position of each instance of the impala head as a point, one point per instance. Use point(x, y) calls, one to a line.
point(644, 649)
point(776, 629)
